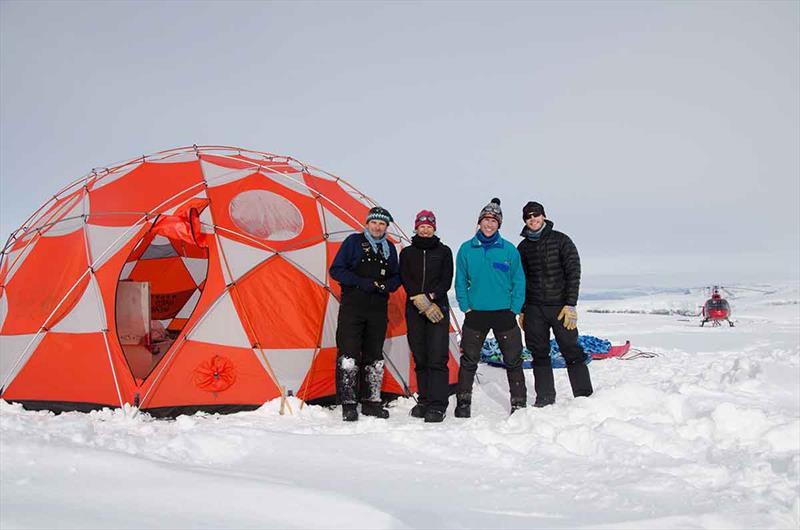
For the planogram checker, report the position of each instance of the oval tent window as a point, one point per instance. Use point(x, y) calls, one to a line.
point(266, 215)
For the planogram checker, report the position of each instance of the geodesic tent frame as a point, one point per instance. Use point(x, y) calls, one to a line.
point(263, 318)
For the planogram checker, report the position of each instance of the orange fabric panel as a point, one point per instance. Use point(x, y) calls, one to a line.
point(452, 368)
point(284, 306)
point(144, 189)
point(54, 265)
point(67, 367)
point(166, 275)
point(332, 249)
point(243, 162)
point(335, 199)
point(397, 314)
point(390, 384)
point(221, 197)
point(183, 383)
point(320, 380)
point(177, 324)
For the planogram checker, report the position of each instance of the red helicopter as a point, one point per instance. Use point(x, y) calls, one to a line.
point(716, 309)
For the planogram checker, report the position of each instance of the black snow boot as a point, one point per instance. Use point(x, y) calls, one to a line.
point(434, 416)
point(517, 404)
point(463, 405)
point(579, 379)
point(544, 385)
point(374, 409)
point(349, 413)
point(419, 410)
point(517, 389)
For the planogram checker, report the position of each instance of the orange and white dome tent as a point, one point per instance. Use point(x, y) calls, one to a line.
point(192, 279)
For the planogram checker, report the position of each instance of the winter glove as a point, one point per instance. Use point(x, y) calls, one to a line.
point(434, 313)
point(570, 317)
point(424, 305)
point(421, 302)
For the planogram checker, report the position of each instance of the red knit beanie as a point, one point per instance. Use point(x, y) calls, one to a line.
point(425, 217)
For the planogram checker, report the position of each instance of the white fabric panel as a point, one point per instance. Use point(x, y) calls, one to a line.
point(197, 267)
point(107, 238)
point(240, 257)
point(17, 258)
point(68, 219)
point(160, 240)
point(172, 158)
point(217, 175)
point(126, 270)
point(311, 259)
point(188, 307)
point(289, 366)
point(454, 347)
point(85, 317)
point(293, 181)
point(221, 325)
point(116, 175)
point(337, 229)
point(11, 348)
point(206, 222)
point(396, 349)
point(330, 323)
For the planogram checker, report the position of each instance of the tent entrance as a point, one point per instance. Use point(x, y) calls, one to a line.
point(158, 290)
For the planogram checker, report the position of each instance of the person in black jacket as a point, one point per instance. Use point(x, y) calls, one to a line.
point(367, 268)
point(553, 277)
point(426, 272)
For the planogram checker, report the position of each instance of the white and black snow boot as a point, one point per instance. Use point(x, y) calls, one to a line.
point(374, 409)
point(463, 405)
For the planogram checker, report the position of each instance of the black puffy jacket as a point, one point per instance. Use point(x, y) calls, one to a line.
point(426, 266)
point(552, 268)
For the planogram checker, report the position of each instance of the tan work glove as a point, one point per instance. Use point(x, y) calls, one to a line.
point(570, 317)
point(434, 313)
point(424, 305)
point(521, 321)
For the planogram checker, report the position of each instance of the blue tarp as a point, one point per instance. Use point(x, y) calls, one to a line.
point(490, 353)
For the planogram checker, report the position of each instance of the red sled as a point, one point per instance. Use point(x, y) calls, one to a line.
point(615, 351)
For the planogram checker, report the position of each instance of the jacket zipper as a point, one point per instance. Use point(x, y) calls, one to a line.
point(424, 262)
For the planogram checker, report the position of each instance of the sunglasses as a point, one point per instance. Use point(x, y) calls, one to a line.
point(533, 214)
point(426, 219)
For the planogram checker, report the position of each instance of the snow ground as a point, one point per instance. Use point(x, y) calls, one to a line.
point(707, 435)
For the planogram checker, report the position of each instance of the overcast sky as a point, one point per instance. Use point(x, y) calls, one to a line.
point(658, 135)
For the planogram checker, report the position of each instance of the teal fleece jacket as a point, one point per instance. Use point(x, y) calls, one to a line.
point(489, 279)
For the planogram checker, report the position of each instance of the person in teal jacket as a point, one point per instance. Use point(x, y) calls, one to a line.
point(490, 290)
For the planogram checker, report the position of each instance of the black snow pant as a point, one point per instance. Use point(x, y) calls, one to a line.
point(509, 338)
point(429, 345)
point(539, 320)
point(360, 333)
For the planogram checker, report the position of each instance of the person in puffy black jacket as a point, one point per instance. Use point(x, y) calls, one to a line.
point(553, 276)
point(426, 272)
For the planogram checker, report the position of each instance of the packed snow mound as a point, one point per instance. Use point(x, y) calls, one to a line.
point(706, 435)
